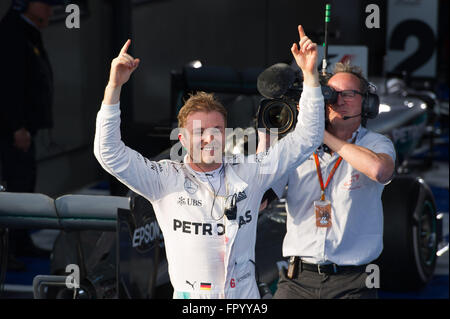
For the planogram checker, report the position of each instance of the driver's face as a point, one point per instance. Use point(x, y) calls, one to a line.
point(205, 136)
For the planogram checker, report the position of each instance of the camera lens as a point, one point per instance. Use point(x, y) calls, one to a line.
point(279, 115)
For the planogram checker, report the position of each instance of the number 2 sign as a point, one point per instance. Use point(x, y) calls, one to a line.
point(411, 37)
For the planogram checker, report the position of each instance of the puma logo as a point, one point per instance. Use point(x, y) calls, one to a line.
point(192, 285)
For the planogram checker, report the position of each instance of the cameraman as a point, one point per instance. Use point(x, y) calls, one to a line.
point(333, 200)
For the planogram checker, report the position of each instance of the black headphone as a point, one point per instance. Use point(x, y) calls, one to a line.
point(370, 100)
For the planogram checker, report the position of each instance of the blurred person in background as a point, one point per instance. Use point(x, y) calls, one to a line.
point(26, 88)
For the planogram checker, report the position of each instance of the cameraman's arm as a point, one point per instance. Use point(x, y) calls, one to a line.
point(377, 164)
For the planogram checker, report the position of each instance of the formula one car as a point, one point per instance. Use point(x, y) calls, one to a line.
point(119, 249)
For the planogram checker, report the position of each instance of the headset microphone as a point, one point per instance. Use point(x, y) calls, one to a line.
point(350, 117)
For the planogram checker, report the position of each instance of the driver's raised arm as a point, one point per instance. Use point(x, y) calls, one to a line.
point(131, 168)
point(298, 145)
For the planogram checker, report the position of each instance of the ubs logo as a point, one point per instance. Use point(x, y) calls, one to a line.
point(182, 201)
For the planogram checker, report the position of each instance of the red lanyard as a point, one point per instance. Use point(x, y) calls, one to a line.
point(319, 174)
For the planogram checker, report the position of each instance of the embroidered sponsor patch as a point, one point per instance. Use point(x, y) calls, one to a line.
point(191, 284)
point(186, 201)
point(353, 183)
point(247, 219)
point(195, 228)
point(190, 186)
point(241, 196)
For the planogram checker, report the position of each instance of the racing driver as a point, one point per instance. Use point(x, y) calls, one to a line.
point(207, 207)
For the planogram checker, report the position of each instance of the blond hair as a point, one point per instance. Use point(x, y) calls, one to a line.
point(200, 102)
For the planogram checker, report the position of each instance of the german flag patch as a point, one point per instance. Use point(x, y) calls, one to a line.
point(205, 286)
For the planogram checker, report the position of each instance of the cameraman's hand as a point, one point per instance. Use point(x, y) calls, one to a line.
point(121, 68)
point(306, 57)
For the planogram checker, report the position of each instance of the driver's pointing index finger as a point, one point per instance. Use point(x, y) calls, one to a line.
point(125, 47)
point(301, 32)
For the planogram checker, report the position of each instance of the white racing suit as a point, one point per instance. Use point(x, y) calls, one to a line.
point(209, 256)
